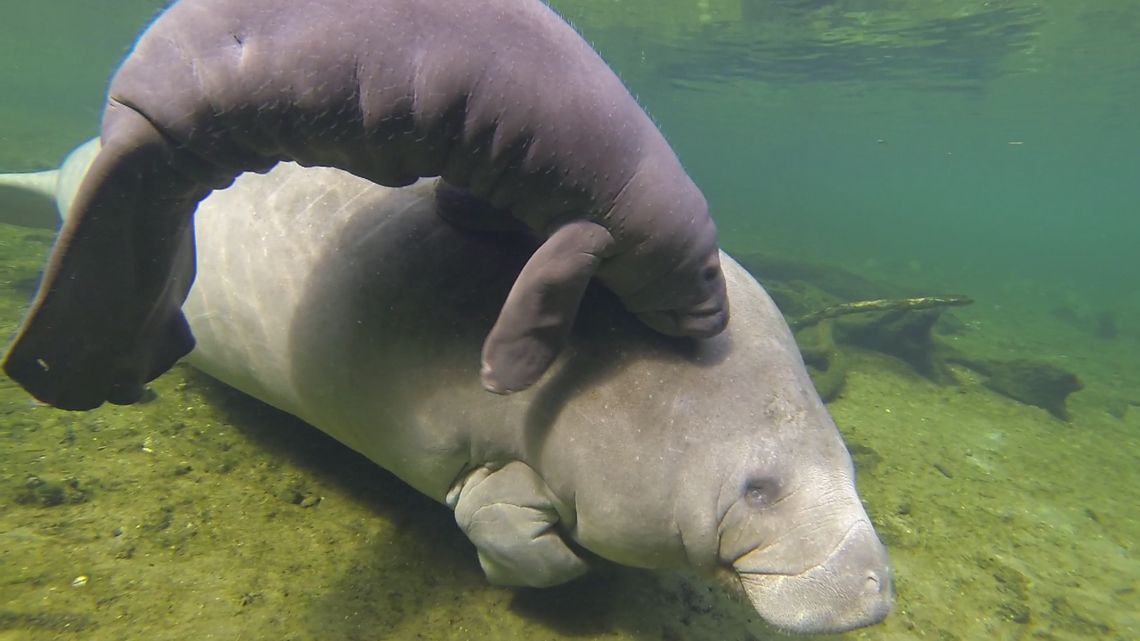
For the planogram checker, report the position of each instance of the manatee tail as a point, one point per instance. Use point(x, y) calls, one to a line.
point(41, 199)
point(28, 200)
point(107, 318)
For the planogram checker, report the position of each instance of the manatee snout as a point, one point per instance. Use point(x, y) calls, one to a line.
point(851, 588)
point(700, 321)
point(704, 302)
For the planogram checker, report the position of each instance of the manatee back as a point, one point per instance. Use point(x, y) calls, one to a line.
point(357, 308)
point(349, 305)
point(261, 244)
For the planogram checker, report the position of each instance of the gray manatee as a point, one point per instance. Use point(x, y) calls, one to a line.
point(499, 97)
point(359, 309)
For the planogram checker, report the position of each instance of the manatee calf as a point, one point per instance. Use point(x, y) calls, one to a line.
point(356, 308)
point(499, 97)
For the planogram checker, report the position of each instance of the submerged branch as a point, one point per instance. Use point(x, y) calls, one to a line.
point(879, 305)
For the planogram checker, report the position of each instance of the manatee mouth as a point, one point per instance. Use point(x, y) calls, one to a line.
point(850, 589)
point(700, 322)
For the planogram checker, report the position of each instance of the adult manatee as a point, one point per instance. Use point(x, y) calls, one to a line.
point(499, 97)
point(356, 308)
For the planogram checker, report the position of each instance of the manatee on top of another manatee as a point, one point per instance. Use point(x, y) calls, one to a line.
point(711, 455)
point(499, 97)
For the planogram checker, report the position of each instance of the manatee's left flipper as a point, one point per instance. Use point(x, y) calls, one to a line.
point(510, 516)
point(540, 309)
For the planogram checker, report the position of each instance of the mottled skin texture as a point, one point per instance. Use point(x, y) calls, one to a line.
point(712, 455)
point(499, 97)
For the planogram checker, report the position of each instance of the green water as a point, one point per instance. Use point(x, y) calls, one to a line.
point(853, 149)
point(984, 148)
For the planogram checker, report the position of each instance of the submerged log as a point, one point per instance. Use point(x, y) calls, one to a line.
point(880, 305)
point(811, 296)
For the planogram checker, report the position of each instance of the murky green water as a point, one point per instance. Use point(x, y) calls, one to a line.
point(982, 148)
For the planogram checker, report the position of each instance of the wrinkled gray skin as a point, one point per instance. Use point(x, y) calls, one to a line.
point(361, 313)
point(357, 309)
point(499, 97)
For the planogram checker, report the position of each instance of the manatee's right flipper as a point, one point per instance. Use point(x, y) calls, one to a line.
point(510, 516)
point(540, 308)
point(107, 317)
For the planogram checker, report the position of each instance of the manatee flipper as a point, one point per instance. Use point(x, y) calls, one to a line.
point(509, 515)
point(465, 210)
point(108, 318)
point(540, 308)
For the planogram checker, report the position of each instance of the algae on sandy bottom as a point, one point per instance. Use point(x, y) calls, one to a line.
point(204, 514)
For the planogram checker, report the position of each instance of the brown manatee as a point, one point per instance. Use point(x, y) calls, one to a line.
point(499, 97)
point(356, 308)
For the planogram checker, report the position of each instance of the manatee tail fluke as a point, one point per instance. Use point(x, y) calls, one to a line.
point(107, 316)
point(28, 200)
point(41, 199)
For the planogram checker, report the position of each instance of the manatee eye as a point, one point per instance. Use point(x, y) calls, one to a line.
point(709, 274)
point(761, 493)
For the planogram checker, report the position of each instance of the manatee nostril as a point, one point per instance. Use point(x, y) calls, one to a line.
point(872, 582)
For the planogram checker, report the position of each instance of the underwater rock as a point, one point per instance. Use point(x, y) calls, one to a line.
point(1035, 383)
point(1028, 381)
point(39, 491)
